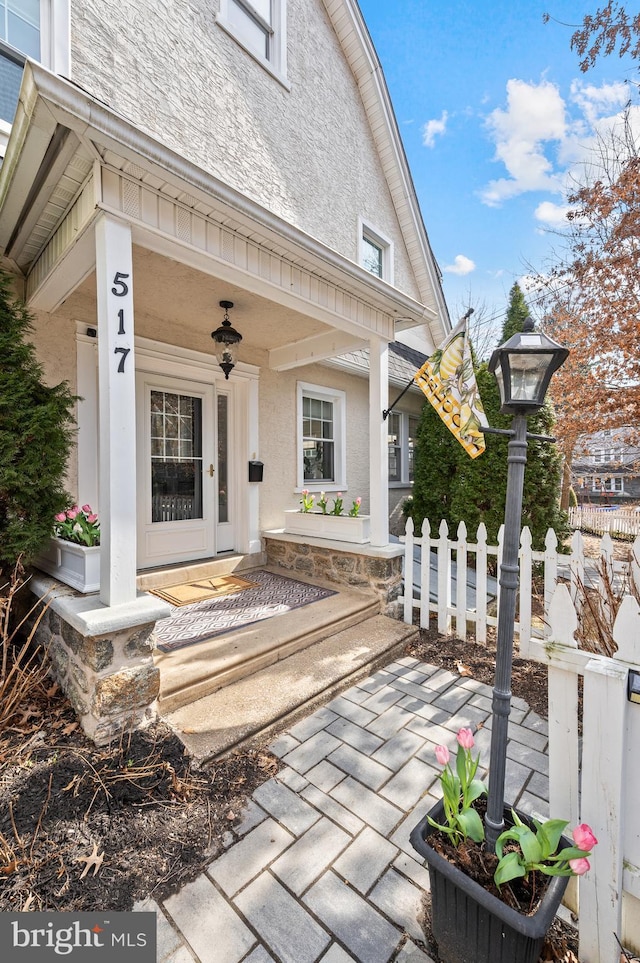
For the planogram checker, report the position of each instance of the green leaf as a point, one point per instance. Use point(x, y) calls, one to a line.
point(471, 825)
point(531, 848)
point(570, 852)
point(509, 867)
point(549, 836)
point(476, 789)
point(461, 765)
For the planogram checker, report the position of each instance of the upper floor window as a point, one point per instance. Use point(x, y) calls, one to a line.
point(259, 26)
point(375, 252)
point(20, 25)
point(38, 29)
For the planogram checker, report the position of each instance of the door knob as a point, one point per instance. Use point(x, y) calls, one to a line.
point(211, 470)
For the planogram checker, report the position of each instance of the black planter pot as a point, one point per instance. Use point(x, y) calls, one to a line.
point(469, 924)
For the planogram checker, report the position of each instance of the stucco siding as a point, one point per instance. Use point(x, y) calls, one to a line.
point(306, 153)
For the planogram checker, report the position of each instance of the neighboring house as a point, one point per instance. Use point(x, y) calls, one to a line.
point(607, 469)
point(157, 166)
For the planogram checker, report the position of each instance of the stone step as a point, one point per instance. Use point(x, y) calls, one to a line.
point(260, 704)
point(197, 670)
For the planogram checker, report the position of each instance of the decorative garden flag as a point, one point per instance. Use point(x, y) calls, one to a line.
point(448, 380)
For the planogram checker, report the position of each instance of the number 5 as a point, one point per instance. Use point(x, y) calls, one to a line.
point(120, 288)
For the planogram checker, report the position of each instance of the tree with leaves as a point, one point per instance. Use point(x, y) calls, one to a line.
point(593, 291)
point(36, 435)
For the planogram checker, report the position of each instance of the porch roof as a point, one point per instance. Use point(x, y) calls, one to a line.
point(64, 140)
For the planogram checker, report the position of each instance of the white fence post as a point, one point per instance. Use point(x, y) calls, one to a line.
point(425, 574)
point(408, 571)
point(604, 750)
point(550, 574)
point(526, 590)
point(444, 580)
point(563, 713)
point(461, 581)
point(481, 584)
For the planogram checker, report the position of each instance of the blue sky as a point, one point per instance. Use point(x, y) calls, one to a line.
point(495, 116)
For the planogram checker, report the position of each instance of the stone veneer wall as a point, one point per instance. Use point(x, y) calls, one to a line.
point(361, 569)
point(110, 680)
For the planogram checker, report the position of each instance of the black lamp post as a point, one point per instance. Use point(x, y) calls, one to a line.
point(523, 367)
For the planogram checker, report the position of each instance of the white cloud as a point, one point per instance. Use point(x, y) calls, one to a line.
point(553, 215)
point(461, 265)
point(433, 128)
point(535, 116)
point(596, 102)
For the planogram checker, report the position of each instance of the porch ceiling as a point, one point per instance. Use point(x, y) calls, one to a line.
point(181, 297)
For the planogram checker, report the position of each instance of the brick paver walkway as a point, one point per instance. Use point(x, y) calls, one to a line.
point(321, 867)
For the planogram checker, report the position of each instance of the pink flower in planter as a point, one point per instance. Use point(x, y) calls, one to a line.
point(60, 517)
point(442, 755)
point(465, 738)
point(92, 518)
point(86, 509)
point(71, 513)
point(580, 866)
point(583, 837)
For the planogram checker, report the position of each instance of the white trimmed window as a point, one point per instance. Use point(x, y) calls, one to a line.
point(38, 29)
point(402, 432)
point(375, 252)
point(321, 438)
point(260, 27)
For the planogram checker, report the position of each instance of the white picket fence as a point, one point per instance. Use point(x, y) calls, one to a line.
point(623, 521)
point(472, 574)
point(596, 780)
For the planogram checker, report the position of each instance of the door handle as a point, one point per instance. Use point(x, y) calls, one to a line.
point(211, 470)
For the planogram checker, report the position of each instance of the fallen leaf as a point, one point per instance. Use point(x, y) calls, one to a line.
point(10, 868)
point(462, 668)
point(69, 728)
point(92, 860)
point(231, 814)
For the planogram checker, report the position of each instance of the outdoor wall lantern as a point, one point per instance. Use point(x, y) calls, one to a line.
point(226, 340)
point(523, 367)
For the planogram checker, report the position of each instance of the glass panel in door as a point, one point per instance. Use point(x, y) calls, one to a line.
point(176, 457)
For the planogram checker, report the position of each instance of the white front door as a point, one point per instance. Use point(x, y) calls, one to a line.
point(176, 469)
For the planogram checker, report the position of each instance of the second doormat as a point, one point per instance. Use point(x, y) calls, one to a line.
point(201, 589)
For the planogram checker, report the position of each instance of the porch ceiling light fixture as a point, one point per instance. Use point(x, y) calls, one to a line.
point(226, 340)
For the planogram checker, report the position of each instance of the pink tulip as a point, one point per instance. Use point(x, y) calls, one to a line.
point(465, 738)
point(60, 517)
point(71, 513)
point(358, 500)
point(580, 866)
point(86, 509)
point(442, 755)
point(583, 838)
point(92, 518)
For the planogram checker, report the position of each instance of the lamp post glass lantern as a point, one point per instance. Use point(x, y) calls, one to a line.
point(523, 367)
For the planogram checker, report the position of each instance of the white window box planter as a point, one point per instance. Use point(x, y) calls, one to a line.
point(75, 565)
point(339, 528)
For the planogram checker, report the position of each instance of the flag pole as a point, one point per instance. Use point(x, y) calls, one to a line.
point(387, 411)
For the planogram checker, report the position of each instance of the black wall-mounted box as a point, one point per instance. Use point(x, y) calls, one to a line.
point(256, 469)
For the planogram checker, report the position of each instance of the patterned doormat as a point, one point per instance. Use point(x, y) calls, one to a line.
point(202, 589)
point(272, 595)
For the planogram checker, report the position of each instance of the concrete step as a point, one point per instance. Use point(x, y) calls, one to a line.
point(262, 703)
point(165, 575)
point(197, 670)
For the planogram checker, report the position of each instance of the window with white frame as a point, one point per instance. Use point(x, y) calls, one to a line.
point(321, 437)
point(259, 27)
point(401, 434)
point(375, 252)
point(614, 483)
point(38, 29)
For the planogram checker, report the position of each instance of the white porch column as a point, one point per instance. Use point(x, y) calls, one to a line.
point(117, 419)
point(378, 441)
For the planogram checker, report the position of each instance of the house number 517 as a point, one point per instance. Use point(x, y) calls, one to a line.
point(120, 289)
